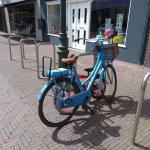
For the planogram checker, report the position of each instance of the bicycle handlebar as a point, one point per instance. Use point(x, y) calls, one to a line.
point(77, 40)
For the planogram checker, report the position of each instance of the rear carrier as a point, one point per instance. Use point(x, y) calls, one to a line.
point(49, 73)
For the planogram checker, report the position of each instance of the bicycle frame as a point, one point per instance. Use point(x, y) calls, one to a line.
point(92, 76)
point(85, 95)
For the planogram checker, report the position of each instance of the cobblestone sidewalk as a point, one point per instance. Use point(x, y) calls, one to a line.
point(110, 129)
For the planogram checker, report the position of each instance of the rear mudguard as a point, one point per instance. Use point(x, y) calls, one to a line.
point(44, 89)
point(52, 81)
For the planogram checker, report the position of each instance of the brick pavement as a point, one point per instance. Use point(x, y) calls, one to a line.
point(110, 129)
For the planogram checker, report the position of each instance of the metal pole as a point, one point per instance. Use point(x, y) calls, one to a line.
point(10, 52)
point(54, 57)
point(22, 48)
point(23, 53)
point(9, 42)
point(37, 60)
point(62, 50)
point(139, 107)
point(37, 56)
point(22, 63)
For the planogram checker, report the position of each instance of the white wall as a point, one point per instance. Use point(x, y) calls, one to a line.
point(0, 2)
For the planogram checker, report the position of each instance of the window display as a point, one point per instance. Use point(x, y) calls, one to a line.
point(22, 20)
point(54, 19)
point(109, 14)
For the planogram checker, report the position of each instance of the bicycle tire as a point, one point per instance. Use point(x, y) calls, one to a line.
point(110, 96)
point(40, 108)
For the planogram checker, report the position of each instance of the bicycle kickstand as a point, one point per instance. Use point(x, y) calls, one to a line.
point(86, 108)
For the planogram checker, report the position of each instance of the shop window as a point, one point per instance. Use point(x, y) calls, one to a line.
point(22, 19)
point(109, 14)
point(54, 19)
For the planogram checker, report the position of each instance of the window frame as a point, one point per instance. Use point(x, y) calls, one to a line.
point(124, 45)
point(48, 25)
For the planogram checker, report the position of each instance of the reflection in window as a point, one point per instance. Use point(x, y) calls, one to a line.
point(22, 20)
point(54, 19)
point(106, 14)
point(73, 15)
point(85, 15)
point(79, 15)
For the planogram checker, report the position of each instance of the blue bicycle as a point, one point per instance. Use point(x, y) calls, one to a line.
point(64, 93)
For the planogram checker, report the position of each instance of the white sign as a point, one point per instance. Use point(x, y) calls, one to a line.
point(108, 22)
point(119, 21)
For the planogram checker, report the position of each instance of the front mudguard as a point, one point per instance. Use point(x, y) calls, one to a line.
point(44, 89)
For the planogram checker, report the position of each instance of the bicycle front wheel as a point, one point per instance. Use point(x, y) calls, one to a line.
point(110, 79)
point(48, 110)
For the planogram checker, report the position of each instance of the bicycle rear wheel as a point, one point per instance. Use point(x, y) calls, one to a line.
point(48, 110)
point(110, 79)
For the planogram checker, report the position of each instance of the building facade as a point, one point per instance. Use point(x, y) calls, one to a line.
point(22, 17)
point(85, 19)
point(2, 18)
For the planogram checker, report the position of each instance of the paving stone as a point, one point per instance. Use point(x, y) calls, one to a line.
point(109, 129)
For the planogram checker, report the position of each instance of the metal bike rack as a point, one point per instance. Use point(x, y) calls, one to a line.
point(37, 55)
point(22, 47)
point(139, 107)
point(7, 34)
point(9, 41)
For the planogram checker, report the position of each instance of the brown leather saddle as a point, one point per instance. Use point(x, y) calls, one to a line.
point(70, 60)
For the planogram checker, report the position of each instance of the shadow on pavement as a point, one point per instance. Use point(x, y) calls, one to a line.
point(92, 131)
point(13, 44)
point(123, 105)
point(141, 146)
